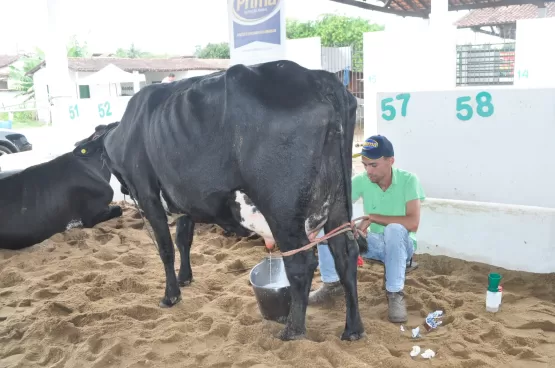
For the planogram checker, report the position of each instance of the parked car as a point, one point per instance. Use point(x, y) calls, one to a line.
point(12, 141)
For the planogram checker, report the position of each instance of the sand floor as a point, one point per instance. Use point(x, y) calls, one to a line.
point(89, 298)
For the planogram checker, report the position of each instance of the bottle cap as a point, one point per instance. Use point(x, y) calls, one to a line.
point(493, 282)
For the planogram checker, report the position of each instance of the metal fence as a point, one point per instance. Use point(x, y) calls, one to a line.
point(346, 61)
point(485, 64)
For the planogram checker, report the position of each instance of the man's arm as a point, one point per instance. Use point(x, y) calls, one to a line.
point(356, 188)
point(413, 195)
point(410, 221)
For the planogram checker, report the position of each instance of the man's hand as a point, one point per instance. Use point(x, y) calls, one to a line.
point(364, 224)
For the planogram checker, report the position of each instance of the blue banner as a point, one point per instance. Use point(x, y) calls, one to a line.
point(256, 20)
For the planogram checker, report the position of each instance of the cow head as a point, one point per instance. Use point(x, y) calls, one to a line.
point(94, 142)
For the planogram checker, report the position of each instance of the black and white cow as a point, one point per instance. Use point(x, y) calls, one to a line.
point(274, 138)
point(49, 198)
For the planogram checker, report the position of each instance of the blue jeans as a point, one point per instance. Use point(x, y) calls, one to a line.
point(393, 247)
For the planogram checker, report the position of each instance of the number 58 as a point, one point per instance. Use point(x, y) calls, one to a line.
point(484, 106)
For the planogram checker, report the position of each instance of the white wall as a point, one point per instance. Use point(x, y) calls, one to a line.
point(533, 59)
point(306, 52)
point(416, 61)
point(488, 178)
point(159, 76)
point(503, 158)
point(519, 238)
point(10, 98)
point(91, 110)
point(41, 95)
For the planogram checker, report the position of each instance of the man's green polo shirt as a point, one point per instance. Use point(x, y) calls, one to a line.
point(404, 187)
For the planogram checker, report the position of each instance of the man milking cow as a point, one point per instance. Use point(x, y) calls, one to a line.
point(277, 133)
point(391, 199)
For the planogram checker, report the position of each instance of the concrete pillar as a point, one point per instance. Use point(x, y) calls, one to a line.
point(56, 53)
point(444, 45)
point(62, 90)
point(439, 13)
point(136, 82)
point(542, 11)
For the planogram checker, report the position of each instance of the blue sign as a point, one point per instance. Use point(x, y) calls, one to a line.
point(346, 76)
point(256, 20)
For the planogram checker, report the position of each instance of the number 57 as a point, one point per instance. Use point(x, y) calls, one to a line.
point(392, 112)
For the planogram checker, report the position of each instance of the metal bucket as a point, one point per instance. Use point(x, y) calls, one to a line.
point(271, 289)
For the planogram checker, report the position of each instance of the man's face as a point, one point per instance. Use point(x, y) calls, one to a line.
point(377, 169)
point(171, 79)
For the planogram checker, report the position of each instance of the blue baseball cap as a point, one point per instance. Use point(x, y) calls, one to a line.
point(375, 147)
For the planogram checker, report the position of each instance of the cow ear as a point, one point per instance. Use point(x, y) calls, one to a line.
point(86, 149)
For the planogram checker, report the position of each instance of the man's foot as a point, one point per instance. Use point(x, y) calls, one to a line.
point(326, 293)
point(397, 309)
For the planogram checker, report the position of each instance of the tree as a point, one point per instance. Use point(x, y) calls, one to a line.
point(75, 49)
point(213, 51)
point(132, 52)
point(333, 30)
point(24, 83)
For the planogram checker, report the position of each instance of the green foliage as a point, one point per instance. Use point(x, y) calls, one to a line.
point(76, 49)
point(20, 116)
point(213, 51)
point(24, 83)
point(333, 30)
point(132, 52)
point(18, 75)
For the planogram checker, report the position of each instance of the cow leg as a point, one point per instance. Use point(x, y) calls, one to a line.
point(156, 216)
point(105, 215)
point(300, 269)
point(183, 239)
point(344, 250)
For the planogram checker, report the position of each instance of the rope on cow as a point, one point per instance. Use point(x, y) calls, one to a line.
point(144, 222)
point(349, 226)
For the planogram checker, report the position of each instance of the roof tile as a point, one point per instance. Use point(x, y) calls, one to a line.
point(6, 60)
point(502, 15)
point(143, 65)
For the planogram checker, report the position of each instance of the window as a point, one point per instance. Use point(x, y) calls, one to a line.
point(84, 92)
point(3, 84)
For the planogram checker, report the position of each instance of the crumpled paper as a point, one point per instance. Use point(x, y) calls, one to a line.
point(415, 351)
point(427, 354)
point(416, 332)
point(433, 320)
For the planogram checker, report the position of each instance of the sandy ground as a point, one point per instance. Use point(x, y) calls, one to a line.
point(89, 298)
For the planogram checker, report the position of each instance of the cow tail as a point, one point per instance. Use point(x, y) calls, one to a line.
point(343, 98)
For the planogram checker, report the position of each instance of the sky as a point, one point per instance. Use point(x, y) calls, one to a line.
point(164, 26)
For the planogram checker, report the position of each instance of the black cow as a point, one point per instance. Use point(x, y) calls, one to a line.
point(276, 135)
point(49, 198)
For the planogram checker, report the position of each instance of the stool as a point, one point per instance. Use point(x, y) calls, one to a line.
point(411, 266)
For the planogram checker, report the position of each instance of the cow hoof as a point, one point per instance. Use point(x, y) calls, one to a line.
point(352, 336)
point(169, 302)
point(117, 211)
point(288, 335)
point(185, 283)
